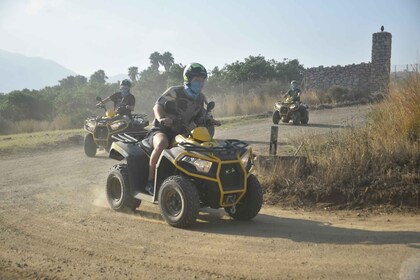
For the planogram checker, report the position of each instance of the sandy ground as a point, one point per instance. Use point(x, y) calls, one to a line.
point(55, 224)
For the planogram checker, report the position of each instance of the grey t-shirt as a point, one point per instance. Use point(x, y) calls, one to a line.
point(191, 111)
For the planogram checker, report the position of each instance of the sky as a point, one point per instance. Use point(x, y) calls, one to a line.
point(87, 35)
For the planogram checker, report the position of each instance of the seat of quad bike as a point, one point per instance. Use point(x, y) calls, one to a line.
point(145, 144)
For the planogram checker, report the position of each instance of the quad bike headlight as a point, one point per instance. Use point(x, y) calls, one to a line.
point(117, 125)
point(90, 126)
point(245, 159)
point(200, 165)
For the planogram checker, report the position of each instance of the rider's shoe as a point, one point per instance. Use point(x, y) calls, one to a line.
point(150, 187)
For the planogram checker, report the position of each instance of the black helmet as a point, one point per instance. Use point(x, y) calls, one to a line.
point(125, 83)
point(194, 70)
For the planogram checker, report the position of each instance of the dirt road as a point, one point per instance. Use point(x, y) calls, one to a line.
point(55, 224)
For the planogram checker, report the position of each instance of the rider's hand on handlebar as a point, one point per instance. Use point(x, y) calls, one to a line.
point(166, 121)
point(217, 123)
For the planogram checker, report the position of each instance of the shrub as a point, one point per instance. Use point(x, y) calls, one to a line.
point(337, 94)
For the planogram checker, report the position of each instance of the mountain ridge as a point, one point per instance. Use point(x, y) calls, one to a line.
point(18, 71)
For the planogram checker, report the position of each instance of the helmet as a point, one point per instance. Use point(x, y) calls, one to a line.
point(194, 70)
point(125, 83)
point(293, 83)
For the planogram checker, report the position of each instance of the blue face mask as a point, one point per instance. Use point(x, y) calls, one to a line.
point(191, 93)
point(197, 86)
point(125, 92)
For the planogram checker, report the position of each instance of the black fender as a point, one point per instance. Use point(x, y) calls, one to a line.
point(137, 162)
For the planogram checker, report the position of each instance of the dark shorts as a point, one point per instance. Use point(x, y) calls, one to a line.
point(155, 130)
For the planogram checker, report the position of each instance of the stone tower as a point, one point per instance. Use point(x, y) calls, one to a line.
point(381, 62)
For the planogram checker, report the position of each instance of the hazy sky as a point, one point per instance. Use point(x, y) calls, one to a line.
point(87, 35)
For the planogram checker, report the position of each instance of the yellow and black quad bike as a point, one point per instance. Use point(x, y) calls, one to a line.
point(290, 109)
point(101, 128)
point(197, 171)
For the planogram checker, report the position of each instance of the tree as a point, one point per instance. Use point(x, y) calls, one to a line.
point(254, 68)
point(98, 77)
point(289, 70)
point(155, 59)
point(133, 73)
point(167, 60)
point(73, 82)
point(175, 75)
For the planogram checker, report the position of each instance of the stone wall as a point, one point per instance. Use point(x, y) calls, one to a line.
point(364, 78)
point(355, 77)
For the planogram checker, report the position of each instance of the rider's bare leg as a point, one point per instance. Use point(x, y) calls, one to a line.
point(160, 142)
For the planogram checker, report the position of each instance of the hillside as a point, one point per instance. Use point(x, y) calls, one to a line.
point(18, 72)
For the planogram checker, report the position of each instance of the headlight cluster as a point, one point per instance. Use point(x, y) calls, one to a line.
point(245, 159)
point(117, 125)
point(200, 165)
point(90, 126)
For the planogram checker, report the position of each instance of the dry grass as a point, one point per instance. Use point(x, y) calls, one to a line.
point(30, 126)
point(311, 98)
point(232, 105)
point(236, 105)
point(10, 144)
point(376, 164)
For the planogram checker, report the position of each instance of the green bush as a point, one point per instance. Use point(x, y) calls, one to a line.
point(337, 94)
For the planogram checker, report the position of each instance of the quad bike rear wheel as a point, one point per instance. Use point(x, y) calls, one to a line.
point(276, 117)
point(296, 118)
point(179, 201)
point(250, 204)
point(118, 190)
point(89, 145)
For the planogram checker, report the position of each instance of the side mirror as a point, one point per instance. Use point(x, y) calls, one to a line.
point(211, 105)
point(98, 99)
point(170, 107)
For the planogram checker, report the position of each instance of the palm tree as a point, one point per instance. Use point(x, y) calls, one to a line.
point(155, 59)
point(167, 60)
point(133, 73)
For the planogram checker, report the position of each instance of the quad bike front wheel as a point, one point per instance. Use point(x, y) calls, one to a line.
point(296, 118)
point(89, 145)
point(276, 117)
point(305, 117)
point(250, 204)
point(118, 190)
point(179, 201)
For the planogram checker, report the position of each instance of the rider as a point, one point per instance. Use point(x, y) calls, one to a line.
point(189, 101)
point(123, 100)
point(294, 91)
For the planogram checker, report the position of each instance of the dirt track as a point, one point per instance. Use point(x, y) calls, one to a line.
point(55, 224)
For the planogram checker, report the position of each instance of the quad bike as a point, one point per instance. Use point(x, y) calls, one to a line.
point(290, 109)
point(197, 171)
point(101, 128)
